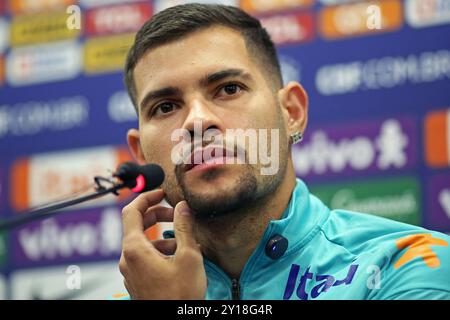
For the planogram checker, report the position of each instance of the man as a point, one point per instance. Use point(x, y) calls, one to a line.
point(239, 231)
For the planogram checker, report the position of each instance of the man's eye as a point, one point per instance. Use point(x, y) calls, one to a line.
point(230, 89)
point(163, 108)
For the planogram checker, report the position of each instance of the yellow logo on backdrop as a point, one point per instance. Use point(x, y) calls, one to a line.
point(106, 54)
point(43, 27)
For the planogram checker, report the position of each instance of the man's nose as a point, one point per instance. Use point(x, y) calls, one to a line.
point(201, 117)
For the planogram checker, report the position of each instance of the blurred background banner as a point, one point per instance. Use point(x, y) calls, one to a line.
point(377, 74)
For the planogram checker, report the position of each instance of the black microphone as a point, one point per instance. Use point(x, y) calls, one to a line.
point(137, 178)
point(140, 178)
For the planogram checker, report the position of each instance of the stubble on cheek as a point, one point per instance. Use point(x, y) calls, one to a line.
point(160, 154)
point(172, 190)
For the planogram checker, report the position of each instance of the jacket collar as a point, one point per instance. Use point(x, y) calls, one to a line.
point(304, 214)
point(300, 221)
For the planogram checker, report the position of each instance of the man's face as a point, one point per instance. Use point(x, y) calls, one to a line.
point(207, 78)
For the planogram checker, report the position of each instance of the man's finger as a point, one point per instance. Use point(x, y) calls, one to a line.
point(183, 224)
point(157, 214)
point(165, 246)
point(132, 214)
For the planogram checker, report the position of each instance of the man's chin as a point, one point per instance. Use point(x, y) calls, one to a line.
point(218, 192)
point(219, 176)
point(213, 205)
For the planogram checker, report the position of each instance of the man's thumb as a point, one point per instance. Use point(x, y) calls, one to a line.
point(183, 224)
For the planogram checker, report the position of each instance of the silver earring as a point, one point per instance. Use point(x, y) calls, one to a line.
point(296, 137)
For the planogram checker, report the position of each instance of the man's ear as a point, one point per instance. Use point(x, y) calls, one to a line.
point(134, 143)
point(294, 104)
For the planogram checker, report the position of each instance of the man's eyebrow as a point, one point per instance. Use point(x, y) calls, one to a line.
point(223, 74)
point(207, 80)
point(160, 93)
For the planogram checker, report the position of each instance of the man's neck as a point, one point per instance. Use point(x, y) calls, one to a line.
point(229, 242)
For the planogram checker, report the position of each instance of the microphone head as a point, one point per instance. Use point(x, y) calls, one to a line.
point(140, 178)
point(153, 176)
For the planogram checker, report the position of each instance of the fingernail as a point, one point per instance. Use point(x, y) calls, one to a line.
point(185, 212)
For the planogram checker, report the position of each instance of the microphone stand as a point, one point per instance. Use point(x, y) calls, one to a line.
point(51, 210)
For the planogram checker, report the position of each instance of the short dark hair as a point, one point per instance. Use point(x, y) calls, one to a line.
point(178, 21)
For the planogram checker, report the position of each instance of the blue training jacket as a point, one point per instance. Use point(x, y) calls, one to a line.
point(339, 254)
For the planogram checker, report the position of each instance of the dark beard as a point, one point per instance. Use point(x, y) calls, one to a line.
point(245, 195)
point(209, 208)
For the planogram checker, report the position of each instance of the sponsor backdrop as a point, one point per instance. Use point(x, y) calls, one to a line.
point(378, 78)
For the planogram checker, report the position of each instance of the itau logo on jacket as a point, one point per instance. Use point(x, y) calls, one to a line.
point(322, 283)
point(437, 138)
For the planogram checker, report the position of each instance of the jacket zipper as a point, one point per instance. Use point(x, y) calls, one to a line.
point(235, 285)
point(235, 289)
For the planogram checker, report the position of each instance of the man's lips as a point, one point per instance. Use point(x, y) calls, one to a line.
point(209, 156)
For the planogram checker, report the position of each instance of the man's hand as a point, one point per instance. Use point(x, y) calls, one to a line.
point(160, 269)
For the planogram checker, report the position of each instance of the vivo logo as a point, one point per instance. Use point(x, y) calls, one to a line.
point(52, 240)
point(361, 148)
